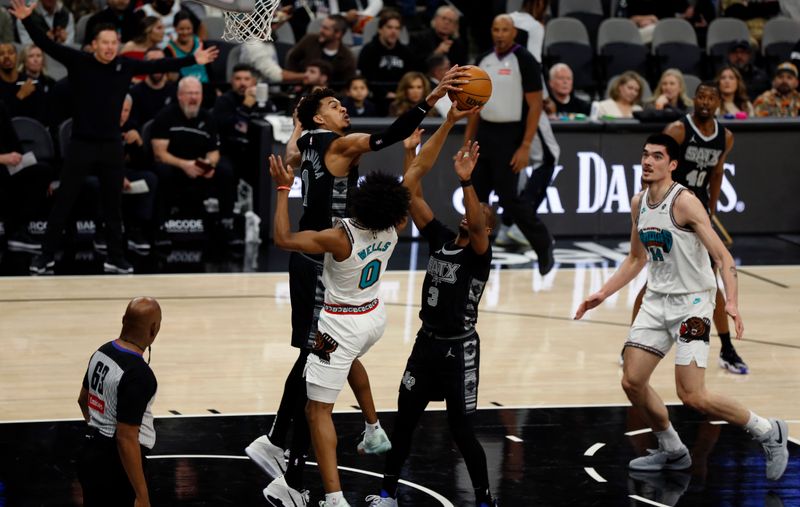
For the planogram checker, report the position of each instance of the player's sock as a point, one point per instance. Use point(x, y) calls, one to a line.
point(389, 486)
point(334, 498)
point(668, 440)
point(372, 428)
point(725, 339)
point(483, 496)
point(758, 426)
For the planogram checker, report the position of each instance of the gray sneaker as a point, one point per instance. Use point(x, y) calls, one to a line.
point(502, 238)
point(377, 443)
point(775, 449)
point(280, 494)
point(658, 459)
point(379, 501)
point(343, 503)
point(267, 455)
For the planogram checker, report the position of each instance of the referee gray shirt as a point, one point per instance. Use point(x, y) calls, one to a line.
point(513, 74)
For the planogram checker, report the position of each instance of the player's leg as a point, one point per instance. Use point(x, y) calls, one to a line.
point(637, 303)
point(375, 440)
point(728, 358)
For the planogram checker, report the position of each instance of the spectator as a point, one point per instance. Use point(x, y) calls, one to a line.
point(733, 92)
point(326, 45)
point(118, 13)
point(795, 56)
point(168, 11)
point(6, 26)
point(437, 66)
point(783, 100)
point(186, 43)
point(670, 94)
point(624, 99)
point(52, 18)
point(356, 102)
point(261, 55)
point(412, 88)
point(528, 22)
point(9, 75)
point(154, 93)
point(317, 74)
point(186, 148)
point(32, 70)
point(442, 38)
point(233, 111)
point(740, 56)
point(352, 11)
point(385, 60)
point(646, 13)
point(562, 99)
point(150, 34)
point(21, 193)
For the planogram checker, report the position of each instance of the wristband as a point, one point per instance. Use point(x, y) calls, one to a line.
point(466, 183)
point(283, 187)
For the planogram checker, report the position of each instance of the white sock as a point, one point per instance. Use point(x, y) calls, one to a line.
point(372, 428)
point(334, 498)
point(668, 440)
point(758, 426)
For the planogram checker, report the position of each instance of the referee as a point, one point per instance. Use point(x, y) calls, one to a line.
point(118, 390)
point(100, 81)
point(506, 129)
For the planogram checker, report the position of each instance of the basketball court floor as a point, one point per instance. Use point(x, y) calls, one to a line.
point(553, 419)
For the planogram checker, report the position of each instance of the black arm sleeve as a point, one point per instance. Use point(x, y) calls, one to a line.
point(136, 388)
point(402, 127)
point(161, 65)
point(60, 52)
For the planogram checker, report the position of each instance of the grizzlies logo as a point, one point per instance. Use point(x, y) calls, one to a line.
point(324, 346)
point(695, 328)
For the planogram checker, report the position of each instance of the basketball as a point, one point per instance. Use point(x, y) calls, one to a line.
point(475, 93)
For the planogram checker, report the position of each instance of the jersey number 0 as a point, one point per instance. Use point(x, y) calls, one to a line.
point(370, 274)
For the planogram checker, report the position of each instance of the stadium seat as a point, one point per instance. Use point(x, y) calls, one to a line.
point(284, 34)
point(721, 33)
point(215, 27)
point(620, 48)
point(371, 29)
point(80, 28)
point(691, 84)
point(219, 67)
point(675, 46)
point(55, 69)
point(64, 137)
point(588, 12)
point(282, 51)
point(513, 5)
point(566, 40)
point(233, 58)
point(780, 36)
point(34, 137)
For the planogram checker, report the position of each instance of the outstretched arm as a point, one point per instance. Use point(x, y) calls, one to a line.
point(201, 56)
point(60, 52)
point(463, 163)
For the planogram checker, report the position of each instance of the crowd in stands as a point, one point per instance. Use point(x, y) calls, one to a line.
point(383, 56)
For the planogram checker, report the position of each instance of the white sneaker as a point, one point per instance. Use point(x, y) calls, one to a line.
point(379, 501)
point(515, 234)
point(267, 455)
point(377, 443)
point(775, 449)
point(658, 459)
point(280, 494)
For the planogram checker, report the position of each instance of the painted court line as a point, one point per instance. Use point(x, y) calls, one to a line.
point(645, 500)
point(593, 449)
point(638, 432)
point(594, 475)
point(513, 438)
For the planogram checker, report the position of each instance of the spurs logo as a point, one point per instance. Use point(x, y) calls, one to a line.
point(324, 346)
point(408, 380)
point(695, 328)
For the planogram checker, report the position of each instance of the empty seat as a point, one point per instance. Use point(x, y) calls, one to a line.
point(692, 82)
point(233, 58)
point(34, 137)
point(675, 46)
point(588, 12)
point(284, 34)
point(620, 48)
point(215, 27)
point(780, 36)
point(566, 40)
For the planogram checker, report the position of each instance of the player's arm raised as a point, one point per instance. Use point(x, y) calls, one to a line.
point(464, 163)
point(627, 271)
point(688, 210)
point(293, 155)
point(715, 181)
point(334, 241)
point(353, 145)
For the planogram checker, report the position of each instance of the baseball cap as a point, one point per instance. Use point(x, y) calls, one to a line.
point(738, 44)
point(786, 67)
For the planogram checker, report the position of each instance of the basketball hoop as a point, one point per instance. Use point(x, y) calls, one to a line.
point(246, 19)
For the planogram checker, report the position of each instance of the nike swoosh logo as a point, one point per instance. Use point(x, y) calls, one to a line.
point(675, 460)
point(451, 252)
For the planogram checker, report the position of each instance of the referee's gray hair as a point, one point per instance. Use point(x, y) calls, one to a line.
point(182, 83)
point(559, 66)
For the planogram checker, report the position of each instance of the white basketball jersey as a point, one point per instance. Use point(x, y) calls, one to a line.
point(679, 263)
point(354, 281)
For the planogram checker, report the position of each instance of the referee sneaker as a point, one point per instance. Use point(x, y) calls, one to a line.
point(100, 81)
point(505, 131)
point(118, 390)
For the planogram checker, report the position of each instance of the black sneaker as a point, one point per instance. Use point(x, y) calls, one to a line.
point(162, 238)
point(24, 242)
point(137, 241)
point(117, 266)
point(548, 260)
point(42, 264)
point(730, 360)
point(100, 244)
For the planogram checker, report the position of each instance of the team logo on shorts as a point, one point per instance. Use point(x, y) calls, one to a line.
point(695, 328)
point(408, 380)
point(324, 346)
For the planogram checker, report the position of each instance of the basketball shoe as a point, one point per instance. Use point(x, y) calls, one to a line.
point(667, 488)
point(280, 494)
point(377, 443)
point(381, 501)
point(658, 459)
point(268, 456)
point(775, 449)
point(342, 503)
point(42, 264)
point(730, 360)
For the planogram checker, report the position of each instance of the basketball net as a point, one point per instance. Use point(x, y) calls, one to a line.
point(253, 25)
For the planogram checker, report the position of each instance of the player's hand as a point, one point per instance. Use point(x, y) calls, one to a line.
point(520, 159)
point(464, 161)
point(20, 10)
point(591, 302)
point(733, 312)
point(207, 55)
point(454, 115)
point(281, 176)
point(413, 140)
point(450, 82)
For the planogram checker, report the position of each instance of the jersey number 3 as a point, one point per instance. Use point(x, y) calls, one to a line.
point(370, 274)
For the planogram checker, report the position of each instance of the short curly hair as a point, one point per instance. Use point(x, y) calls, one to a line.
point(309, 105)
point(380, 202)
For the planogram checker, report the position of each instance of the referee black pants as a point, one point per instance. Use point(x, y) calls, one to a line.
point(104, 158)
point(498, 143)
point(101, 474)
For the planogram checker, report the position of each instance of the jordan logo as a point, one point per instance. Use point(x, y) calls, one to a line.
point(449, 353)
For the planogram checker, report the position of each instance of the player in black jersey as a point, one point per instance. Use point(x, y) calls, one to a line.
point(444, 362)
point(328, 161)
point(705, 145)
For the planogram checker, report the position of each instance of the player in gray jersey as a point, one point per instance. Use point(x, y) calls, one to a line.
point(672, 233)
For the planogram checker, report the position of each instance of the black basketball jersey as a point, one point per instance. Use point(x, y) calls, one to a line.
point(324, 195)
point(698, 157)
point(454, 282)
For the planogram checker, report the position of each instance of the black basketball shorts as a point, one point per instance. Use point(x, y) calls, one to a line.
point(307, 294)
point(440, 369)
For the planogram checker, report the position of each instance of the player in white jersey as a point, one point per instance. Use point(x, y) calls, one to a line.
point(671, 230)
point(357, 250)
